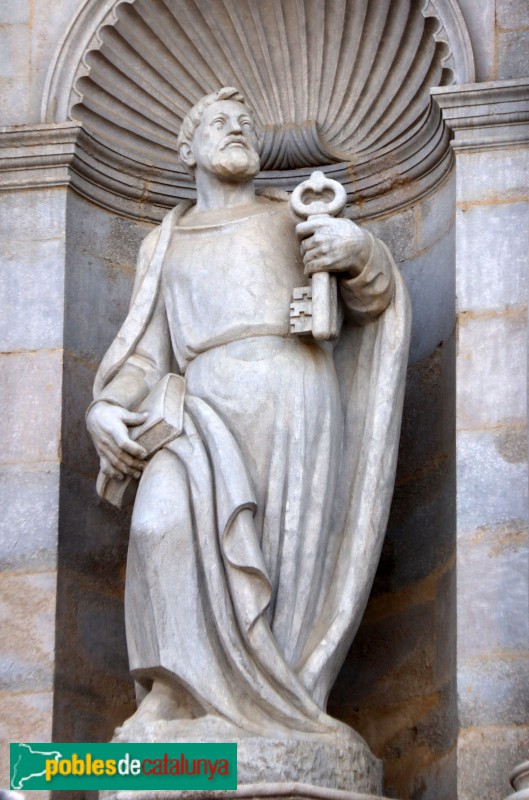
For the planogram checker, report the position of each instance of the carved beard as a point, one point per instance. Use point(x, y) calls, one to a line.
point(236, 162)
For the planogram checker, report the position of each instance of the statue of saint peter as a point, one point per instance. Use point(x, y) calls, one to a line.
point(256, 532)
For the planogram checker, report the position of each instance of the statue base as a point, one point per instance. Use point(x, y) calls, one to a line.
point(332, 766)
point(257, 791)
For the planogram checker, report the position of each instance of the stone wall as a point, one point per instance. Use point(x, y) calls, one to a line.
point(492, 243)
point(493, 563)
point(32, 226)
point(29, 34)
point(499, 30)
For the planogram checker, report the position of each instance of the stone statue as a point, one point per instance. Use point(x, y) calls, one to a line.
point(256, 532)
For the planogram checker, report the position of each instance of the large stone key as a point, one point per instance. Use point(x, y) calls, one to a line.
point(314, 308)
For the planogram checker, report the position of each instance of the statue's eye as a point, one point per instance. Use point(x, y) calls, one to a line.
point(247, 124)
point(218, 123)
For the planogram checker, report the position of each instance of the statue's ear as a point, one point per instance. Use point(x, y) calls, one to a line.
point(186, 155)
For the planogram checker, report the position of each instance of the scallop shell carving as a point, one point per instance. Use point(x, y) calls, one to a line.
point(332, 82)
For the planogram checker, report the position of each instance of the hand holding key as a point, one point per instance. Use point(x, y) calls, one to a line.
point(333, 245)
point(324, 249)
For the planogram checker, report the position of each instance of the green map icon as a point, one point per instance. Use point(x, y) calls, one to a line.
point(28, 764)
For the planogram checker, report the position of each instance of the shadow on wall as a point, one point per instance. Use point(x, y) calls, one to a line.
point(93, 689)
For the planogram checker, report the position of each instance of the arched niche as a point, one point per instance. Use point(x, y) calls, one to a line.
point(343, 86)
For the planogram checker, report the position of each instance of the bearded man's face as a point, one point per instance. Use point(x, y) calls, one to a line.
point(225, 143)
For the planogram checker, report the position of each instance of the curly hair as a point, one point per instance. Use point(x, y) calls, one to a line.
point(193, 117)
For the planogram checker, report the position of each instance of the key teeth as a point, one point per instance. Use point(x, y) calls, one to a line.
point(302, 293)
point(301, 310)
point(301, 325)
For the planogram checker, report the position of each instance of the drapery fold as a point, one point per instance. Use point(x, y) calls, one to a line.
point(237, 632)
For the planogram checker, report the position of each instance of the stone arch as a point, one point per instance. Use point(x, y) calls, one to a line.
point(342, 87)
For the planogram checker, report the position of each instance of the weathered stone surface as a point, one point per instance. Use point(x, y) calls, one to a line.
point(78, 379)
point(493, 592)
point(14, 44)
point(391, 658)
point(96, 232)
point(512, 14)
point(421, 241)
point(488, 752)
point(445, 628)
point(493, 690)
point(483, 473)
point(94, 689)
point(512, 52)
point(95, 692)
point(436, 780)
point(291, 790)
point(103, 645)
point(27, 631)
point(354, 108)
point(29, 497)
point(491, 443)
point(90, 717)
point(494, 115)
point(492, 369)
point(98, 288)
point(340, 762)
point(427, 432)
point(495, 176)
point(32, 36)
point(24, 717)
point(436, 213)
point(413, 737)
point(430, 278)
point(33, 215)
point(15, 11)
point(94, 534)
point(492, 176)
point(492, 246)
point(420, 536)
point(399, 232)
point(32, 277)
point(30, 398)
point(391, 677)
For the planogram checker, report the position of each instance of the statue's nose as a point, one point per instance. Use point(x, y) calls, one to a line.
point(235, 126)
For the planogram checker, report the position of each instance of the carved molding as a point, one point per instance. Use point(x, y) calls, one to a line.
point(341, 85)
point(36, 156)
point(453, 32)
point(78, 39)
point(486, 115)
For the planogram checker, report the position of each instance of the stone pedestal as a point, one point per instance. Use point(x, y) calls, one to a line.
point(334, 765)
point(270, 791)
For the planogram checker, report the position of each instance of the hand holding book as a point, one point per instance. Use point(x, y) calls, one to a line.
point(123, 450)
point(119, 454)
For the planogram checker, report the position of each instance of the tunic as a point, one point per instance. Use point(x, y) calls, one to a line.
point(239, 524)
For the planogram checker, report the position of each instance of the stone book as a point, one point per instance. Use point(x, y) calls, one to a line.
point(165, 408)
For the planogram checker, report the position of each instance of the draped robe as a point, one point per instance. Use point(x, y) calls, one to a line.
point(256, 533)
